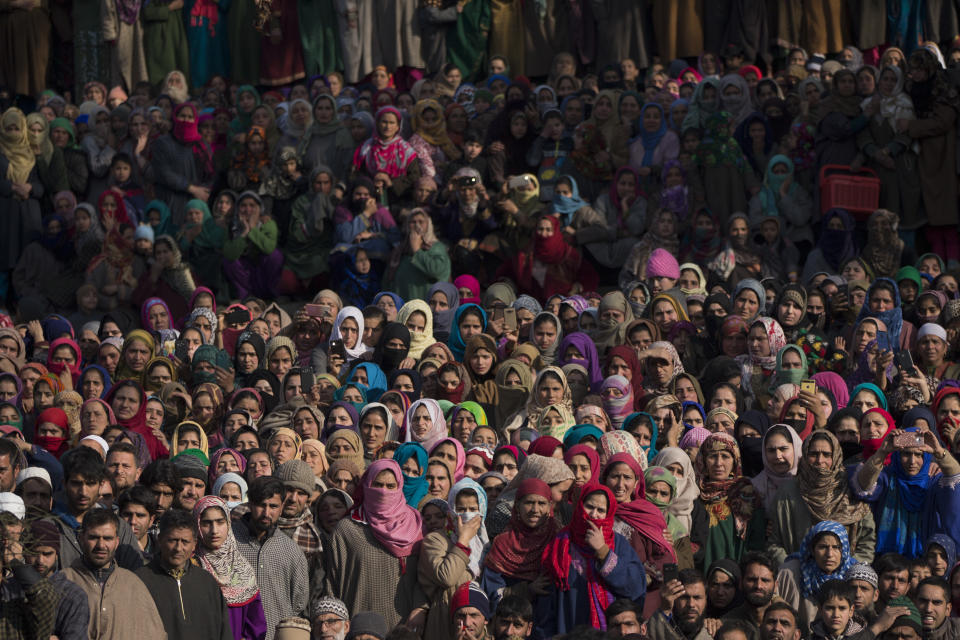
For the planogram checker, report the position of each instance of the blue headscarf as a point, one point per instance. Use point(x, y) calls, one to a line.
point(362, 388)
point(949, 547)
point(578, 433)
point(651, 138)
point(566, 206)
point(813, 577)
point(699, 407)
point(628, 423)
point(456, 342)
point(414, 487)
point(107, 383)
point(869, 386)
point(54, 326)
point(498, 76)
point(892, 318)
point(772, 183)
point(679, 102)
point(901, 510)
point(376, 380)
point(397, 300)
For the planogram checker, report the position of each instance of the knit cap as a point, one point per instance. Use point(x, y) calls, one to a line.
point(331, 605)
point(912, 619)
point(143, 232)
point(367, 623)
point(470, 595)
point(296, 474)
point(293, 629)
point(693, 438)
point(861, 571)
point(190, 466)
point(662, 264)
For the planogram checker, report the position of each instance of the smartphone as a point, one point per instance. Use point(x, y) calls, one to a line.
point(518, 181)
point(908, 439)
point(883, 341)
point(905, 361)
point(182, 350)
point(808, 386)
point(316, 310)
point(238, 316)
point(307, 380)
point(670, 572)
point(510, 319)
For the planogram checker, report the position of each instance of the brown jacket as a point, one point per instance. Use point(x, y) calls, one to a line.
point(121, 608)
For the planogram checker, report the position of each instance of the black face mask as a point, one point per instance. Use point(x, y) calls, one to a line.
point(391, 358)
point(798, 424)
point(751, 455)
point(850, 449)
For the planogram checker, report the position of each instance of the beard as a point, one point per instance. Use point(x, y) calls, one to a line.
point(758, 598)
point(690, 628)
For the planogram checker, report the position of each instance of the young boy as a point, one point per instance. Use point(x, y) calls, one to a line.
point(472, 157)
point(549, 152)
point(835, 620)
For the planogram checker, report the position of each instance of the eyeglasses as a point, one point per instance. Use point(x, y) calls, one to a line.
point(328, 622)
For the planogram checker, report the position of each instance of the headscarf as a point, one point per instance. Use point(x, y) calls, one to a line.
point(650, 139)
point(419, 341)
point(588, 350)
point(517, 551)
point(557, 557)
point(391, 156)
point(439, 430)
point(872, 445)
point(396, 525)
point(16, 146)
point(435, 134)
point(812, 576)
point(898, 527)
point(738, 106)
point(479, 541)
point(234, 575)
point(826, 491)
point(771, 194)
point(776, 340)
point(455, 341)
point(443, 320)
point(617, 408)
point(414, 487)
point(768, 481)
point(729, 490)
point(566, 206)
point(661, 474)
point(359, 348)
point(896, 106)
point(687, 490)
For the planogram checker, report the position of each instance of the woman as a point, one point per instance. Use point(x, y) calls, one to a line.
point(819, 491)
point(417, 317)
point(782, 197)
point(550, 265)
point(549, 388)
point(737, 520)
point(678, 463)
point(449, 559)
point(218, 554)
point(897, 491)
point(129, 404)
point(327, 142)
point(412, 458)
point(835, 246)
point(590, 565)
point(553, 471)
point(780, 448)
point(386, 152)
point(419, 260)
point(20, 180)
point(425, 423)
point(800, 578)
point(839, 119)
point(764, 342)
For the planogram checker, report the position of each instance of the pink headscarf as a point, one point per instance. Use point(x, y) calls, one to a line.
point(106, 407)
point(395, 524)
point(461, 456)
point(468, 282)
point(834, 384)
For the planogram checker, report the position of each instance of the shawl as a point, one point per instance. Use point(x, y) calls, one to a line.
point(455, 341)
point(234, 575)
point(414, 487)
point(812, 576)
point(611, 127)
point(872, 445)
point(588, 359)
point(901, 507)
point(511, 399)
point(661, 474)
point(770, 194)
point(618, 408)
point(768, 481)
point(837, 245)
point(517, 551)
point(895, 106)
point(359, 349)
point(435, 134)
point(438, 429)
point(353, 439)
point(776, 340)
point(700, 110)
point(533, 408)
point(739, 106)
point(826, 491)
point(557, 557)
point(643, 516)
point(16, 146)
point(40, 142)
point(443, 320)
point(610, 332)
point(884, 246)
point(419, 340)
point(718, 147)
point(479, 541)
point(687, 490)
point(848, 106)
point(549, 354)
point(629, 356)
point(586, 155)
point(388, 156)
point(567, 206)
point(396, 525)
point(593, 459)
point(730, 491)
point(651, 139)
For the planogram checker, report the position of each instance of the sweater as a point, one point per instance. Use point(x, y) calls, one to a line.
point(191, 607)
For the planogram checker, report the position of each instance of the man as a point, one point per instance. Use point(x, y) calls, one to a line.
point(623, 618)
point(893, 578)
point(188, 598)
point(758, 585)
point(193, 478)
point(28, 600)
point(83, 473)
point(779, 623)
point(863, 579)
point(470, 609)
point(296, 519)
point(163, 479)
point(280, 565)
point(907, 626)
point(734, 630)
point(682, 603)
point(122, 466)
point(9, 464)
point(329, 619)
point(374, 321)
point(933, 601)
point(36, 489)
point(367, 625)
point(514, 618)
point(120, 605)
point(137, 506)
point(73, 610)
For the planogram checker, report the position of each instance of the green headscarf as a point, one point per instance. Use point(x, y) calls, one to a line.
point(912, 274)
point(66, 125)
point(789, 376)
point(165, 226)
point(662, 474)
point(243, 121)
point(211, 237)
point(476, 410)
point(216, 357)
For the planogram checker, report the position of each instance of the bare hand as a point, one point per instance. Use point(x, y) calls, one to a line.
point(886, 619)
point(839, 343)
point(712, 625)
point(467, 530)
point(669, 592)
point(594, 537)
point(811, 403)
point(197, 191)
point(416, 241)
point(541, 586)
point(36, 330)
point(902, 124)
point(225, 378)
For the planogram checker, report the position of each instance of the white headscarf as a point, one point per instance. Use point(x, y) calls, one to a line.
point(358, 349)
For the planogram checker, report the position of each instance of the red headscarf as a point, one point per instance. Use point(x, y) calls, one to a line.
point(935, 407)
point(550, 250)
point(185, 132)
point(138, 423)
point(545, 446)
point(872, 445)
point(516, 552)
point(56, 445)
point(593, 458)
point(395, 524)
point(808, 425)
point(557, 556)
point(58, 367)
point(121, 215)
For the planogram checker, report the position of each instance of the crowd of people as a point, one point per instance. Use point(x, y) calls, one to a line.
point(428, 349)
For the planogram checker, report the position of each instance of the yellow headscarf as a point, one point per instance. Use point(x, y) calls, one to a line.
point(418, 341)
point(40, 141)
point(204, 443)
point(435, 134)
point(16, 146)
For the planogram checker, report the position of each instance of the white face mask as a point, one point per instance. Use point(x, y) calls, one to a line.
point(468, 516)
point(232, 504)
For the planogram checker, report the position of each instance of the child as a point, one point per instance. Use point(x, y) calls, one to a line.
point(123, 184)
point(359, 281)
point(835, 620)
point(549, 152)
point(472, 157)
point(87, 302)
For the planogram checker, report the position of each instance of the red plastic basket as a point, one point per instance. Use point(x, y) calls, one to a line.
point(843, 188)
